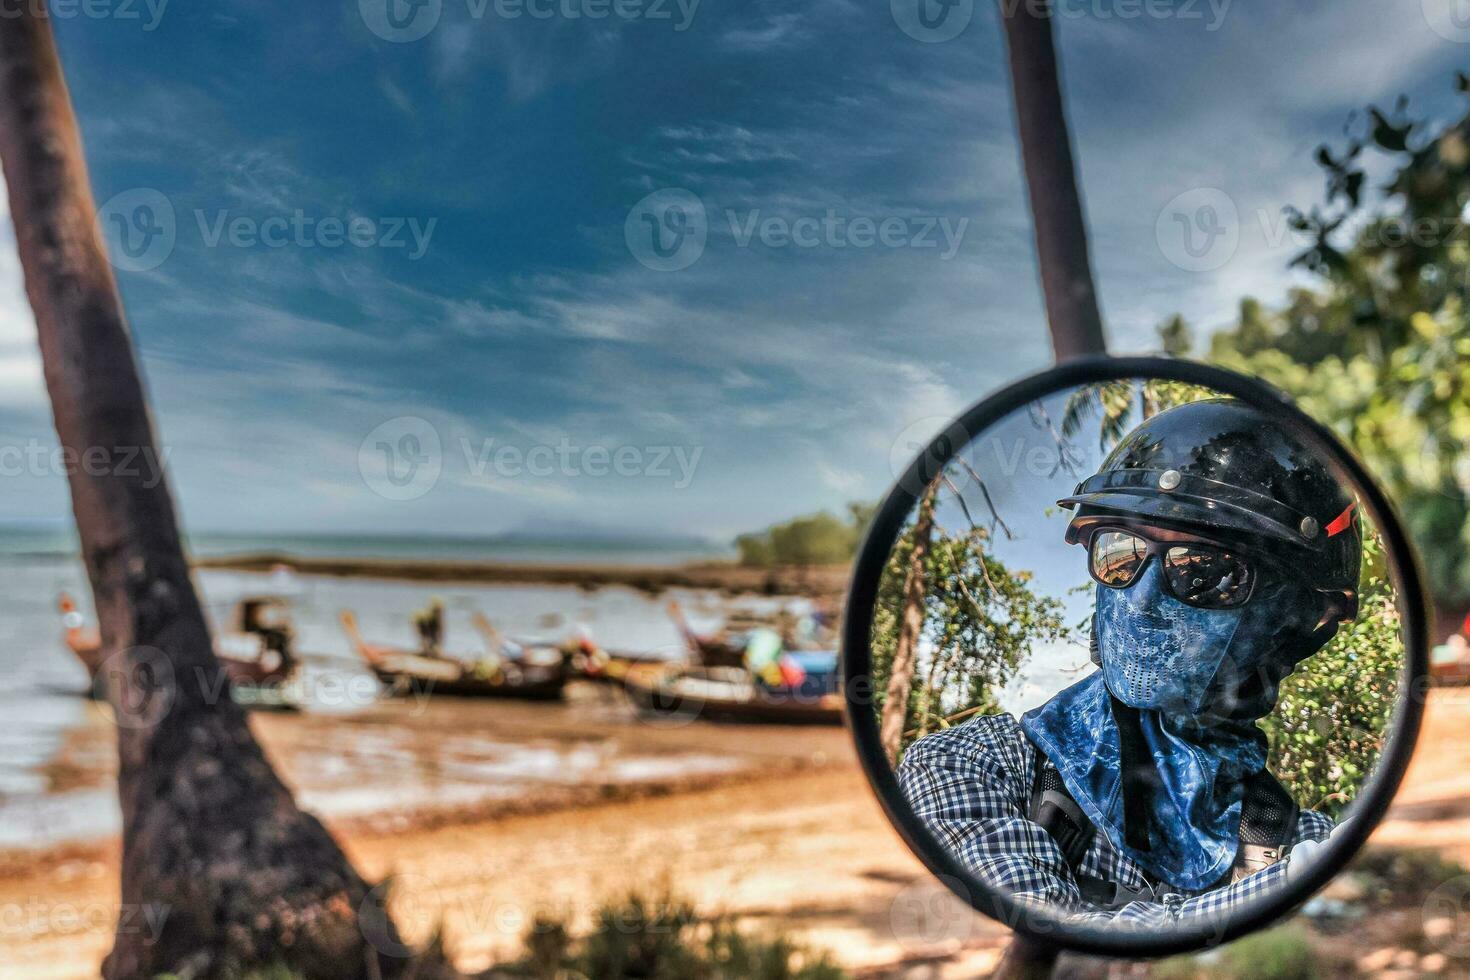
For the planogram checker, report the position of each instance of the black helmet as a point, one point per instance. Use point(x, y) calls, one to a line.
point(1229, 472)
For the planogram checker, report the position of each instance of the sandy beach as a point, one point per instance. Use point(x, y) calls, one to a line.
point(782, 833)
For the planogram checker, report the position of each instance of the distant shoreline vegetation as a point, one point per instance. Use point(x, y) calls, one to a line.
point(822, 538)
point(649, 564)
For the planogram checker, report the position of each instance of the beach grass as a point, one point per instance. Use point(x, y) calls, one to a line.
point(643, 936)
point(664, 938)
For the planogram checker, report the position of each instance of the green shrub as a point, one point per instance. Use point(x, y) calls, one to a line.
point(1282, 953)
point(663, 939)
point(1329, 725)
point(1402, 877)
point(640, 938)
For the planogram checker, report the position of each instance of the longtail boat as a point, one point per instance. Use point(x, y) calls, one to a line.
point(723, 649)
point(590, 661)
point(729, 694)
point(511, 670)
point(1449, 663)
point(255, 649)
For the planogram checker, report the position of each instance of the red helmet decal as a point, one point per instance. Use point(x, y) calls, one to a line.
point(1342, 521)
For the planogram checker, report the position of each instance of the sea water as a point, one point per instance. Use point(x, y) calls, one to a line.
point(42, 683)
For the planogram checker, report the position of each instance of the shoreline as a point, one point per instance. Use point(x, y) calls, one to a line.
point(728, 578)
point(387, 825)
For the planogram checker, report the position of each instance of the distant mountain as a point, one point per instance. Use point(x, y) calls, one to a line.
point(611, 538)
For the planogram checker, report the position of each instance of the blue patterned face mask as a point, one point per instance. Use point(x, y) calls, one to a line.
point(1159, 654)
point(1192, 683)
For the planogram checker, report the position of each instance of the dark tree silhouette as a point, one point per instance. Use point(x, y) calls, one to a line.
point(1056, 204)
point(209, 830)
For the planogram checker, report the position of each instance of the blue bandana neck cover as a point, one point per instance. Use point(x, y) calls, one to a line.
point(1184, 670)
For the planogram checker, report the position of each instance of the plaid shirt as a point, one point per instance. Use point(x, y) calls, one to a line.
point(971, 785)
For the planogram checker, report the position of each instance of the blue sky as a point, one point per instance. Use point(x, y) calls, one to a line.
point(865, 270)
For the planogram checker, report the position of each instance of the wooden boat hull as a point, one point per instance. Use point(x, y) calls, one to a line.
point(240, 672)
point(1454, 674)
point(256, 668)
point(589, 662)
point(403, 672)
point(530, 684)
point(672, 696)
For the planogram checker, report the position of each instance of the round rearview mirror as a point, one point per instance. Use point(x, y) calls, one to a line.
point(1135, 655)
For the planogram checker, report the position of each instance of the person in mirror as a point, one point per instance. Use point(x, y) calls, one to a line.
point(1224, 555)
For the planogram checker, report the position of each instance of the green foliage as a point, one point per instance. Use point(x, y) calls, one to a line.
point(1121, 404)
point(815, 539)
point(981, 620)
point(732, 955)
point(1379, 347)
point(1283, 953)
point(1394, 877)
point(1328, 727)
point(663, 939)
point(639, 938)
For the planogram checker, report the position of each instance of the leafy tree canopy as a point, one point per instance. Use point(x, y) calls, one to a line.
point(1379, 346)
point(981, 622)
point(815, 539)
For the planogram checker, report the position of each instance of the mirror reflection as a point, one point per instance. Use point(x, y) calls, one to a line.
point(1135, 653)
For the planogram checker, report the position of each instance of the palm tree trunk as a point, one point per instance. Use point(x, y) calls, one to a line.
point(210, 834)
point(1061, 250)
point(1056, 205)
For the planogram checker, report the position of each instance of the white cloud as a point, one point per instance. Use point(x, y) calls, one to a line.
point(847, 482)
point(22, 385)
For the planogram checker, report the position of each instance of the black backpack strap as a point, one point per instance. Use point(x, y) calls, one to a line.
point(1053, 809)
point(1268, 824)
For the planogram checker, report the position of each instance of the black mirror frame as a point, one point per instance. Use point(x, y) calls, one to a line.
point(1047, 928)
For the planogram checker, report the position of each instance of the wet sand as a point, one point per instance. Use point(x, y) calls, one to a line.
point(787, 837)
point(772, 824)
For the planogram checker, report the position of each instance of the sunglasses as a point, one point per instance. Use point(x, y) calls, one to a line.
point(1198, 575)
